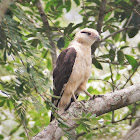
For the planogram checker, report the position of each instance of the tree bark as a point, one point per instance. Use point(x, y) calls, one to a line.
point(4, 5)
point(133, 135)
point(99, 105)
point(102, 9)
point(48, 31)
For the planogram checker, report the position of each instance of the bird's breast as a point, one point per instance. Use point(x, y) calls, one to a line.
point(82, 66)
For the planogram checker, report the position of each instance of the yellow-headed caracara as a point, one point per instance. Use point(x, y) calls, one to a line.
point(73, 68)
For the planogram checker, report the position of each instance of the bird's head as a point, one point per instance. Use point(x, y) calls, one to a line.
point(87, 36)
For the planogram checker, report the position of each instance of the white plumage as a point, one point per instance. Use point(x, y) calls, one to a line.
point(75, 64)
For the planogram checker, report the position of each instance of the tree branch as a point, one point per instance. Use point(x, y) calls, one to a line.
point(131, 76)
point(4, 5)
point(99, 23)
point(118, 31)
point(48, 30)
point(133, 135)
point(101, 15)
point(98, 106)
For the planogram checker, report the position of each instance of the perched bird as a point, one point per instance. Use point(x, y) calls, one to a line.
point(73, 68)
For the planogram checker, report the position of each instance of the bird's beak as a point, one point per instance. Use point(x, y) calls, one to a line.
point(98, 37)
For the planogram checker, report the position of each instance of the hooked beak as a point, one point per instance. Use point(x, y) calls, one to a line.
point(98, 37)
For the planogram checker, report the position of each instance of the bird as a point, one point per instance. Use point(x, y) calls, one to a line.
point(72, 69)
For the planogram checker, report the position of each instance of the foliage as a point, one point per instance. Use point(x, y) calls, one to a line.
point(26, 62)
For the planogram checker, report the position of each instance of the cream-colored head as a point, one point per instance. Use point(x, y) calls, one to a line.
point(87, 36)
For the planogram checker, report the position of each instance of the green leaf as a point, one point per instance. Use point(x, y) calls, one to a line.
point(116, 37)
point(84, 114)
point(75, 27)
point(88, 115)
point(96, 63)
point(120, 56)
point(111, 54)
point(1, 137)
point(105, 28)
point(123, 47)
point(104, 56)
point(133, 62)
point(77, 2)
point(92, 116)
point(61, 43)
point(68, 28)
point(107, 78)
point(68, 5)
point(139, 46)
point(107, 16)
point(2, 103)
point(118, 76)
point(135, 21)
point(62, 123)
point(22, 135)
point(4, 56)
point(132, 32)
point(3, 98)
point(125, 5)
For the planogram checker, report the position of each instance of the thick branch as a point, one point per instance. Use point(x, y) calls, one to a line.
point(98, 106)
point(101, 15)
point(47, 30)
point(4, 5)
point(100, 22)
point(133, 135)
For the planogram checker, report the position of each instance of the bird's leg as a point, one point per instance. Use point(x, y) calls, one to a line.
point(88, 94)
point(74, 97)
point(94, 96)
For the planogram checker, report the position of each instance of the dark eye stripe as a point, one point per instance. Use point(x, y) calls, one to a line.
point(86, 33)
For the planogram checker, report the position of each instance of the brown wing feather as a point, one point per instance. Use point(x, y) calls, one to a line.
point(63, 70)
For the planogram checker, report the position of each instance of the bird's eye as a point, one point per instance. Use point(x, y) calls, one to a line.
point(86, 33)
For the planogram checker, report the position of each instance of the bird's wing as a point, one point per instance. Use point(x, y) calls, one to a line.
point(62, 71)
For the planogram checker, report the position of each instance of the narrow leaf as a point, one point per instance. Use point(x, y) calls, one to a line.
point(104, 56)
point(1, 137)
point(92, 116)
point(111, 54)
point(123, 47)
point(62, 123)
point(77, 2)
point(68, 28)
point(61, 43)
point(2, 103)
point(120, 57)
point(133, 62)
point(96, 63)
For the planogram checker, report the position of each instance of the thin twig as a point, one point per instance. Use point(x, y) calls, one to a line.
point(112, 88)
point(136, 12)
point(118, 31)
point(113, 62)
point(131, 76)
point(104, 81)
point(133, 112)
point(125, 118)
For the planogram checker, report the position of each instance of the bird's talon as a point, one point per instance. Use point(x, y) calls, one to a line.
point(91, 98)
point(96, 96)
point(100, 96)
